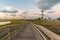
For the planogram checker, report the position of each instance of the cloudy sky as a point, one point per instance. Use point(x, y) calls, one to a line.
point(20, 9)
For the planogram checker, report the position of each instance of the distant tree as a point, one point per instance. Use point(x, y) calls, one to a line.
point(49, 18)
point(58, 18)
point(45, 18)
point(39, 18)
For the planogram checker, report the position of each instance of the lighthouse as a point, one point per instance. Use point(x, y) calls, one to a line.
point(42, 14)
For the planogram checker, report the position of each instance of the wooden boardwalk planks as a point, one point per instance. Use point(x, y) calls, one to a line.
point(26, 34)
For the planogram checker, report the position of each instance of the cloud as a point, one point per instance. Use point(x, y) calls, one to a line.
point(13, 15)
point(8, 7)
point(47, 4)
point(5, 11)
point(21, 14)
point(51, 11)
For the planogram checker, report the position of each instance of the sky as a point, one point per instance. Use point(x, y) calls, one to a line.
point(17, 4)
point(28, 9)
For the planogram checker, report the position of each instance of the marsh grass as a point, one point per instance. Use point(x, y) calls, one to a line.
point(14, 22)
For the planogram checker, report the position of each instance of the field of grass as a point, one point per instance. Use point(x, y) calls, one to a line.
point(53, 25)
point(18, 21)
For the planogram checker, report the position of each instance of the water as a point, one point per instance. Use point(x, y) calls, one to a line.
point(3, 23)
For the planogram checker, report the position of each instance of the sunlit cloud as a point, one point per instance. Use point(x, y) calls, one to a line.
point(8, 7)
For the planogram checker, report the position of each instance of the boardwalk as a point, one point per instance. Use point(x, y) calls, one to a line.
point(11, 32)
point(26, 34)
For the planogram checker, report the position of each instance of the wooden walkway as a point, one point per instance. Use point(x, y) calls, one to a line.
point(26, 34)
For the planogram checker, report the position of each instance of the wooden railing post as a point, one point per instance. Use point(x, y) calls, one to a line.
point(8, 34)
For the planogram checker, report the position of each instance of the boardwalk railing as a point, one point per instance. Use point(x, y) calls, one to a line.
point(43, 33)
point(8, 32)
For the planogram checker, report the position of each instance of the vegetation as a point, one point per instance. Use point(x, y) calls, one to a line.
point(13, 22)
point(58, 18)
point(18, 21)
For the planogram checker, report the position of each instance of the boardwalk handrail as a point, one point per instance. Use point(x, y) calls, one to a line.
point(49, 34)
point(8, 32)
